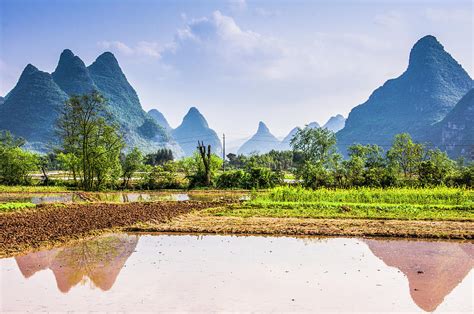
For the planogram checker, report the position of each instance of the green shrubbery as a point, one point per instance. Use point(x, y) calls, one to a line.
point(251, 178)
point(15, 163)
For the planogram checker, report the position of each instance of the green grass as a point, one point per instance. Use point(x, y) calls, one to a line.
point(421, 204)
point(9, 207)
point(32, 189)
point(439, 195)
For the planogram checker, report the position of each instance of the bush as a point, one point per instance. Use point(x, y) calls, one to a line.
point(164, 177)
point(232, 179)
point(15, 165)
point(262, 178)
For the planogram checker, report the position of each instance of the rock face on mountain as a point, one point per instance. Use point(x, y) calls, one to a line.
point(455, 133)
point(261, 142)
point(286, 142)
point(160, 119)
point(194, 128)
point(30, 109)
point(2, 100)
point(335, 123)
point(72, 76)
point(430, 87)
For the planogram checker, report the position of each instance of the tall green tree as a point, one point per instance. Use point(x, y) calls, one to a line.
point(91, 139)
point(131, 163)
point(317, 145)
point(405, 155)
point(318, 156)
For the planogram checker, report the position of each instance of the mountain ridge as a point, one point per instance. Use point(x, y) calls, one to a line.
point(422, 95)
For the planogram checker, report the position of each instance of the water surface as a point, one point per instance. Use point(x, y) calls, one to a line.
point(120, 197)
point(120, 272)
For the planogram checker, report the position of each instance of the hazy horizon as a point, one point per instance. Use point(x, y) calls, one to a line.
point(286, 63)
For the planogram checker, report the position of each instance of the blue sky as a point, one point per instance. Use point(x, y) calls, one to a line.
point(239, 61)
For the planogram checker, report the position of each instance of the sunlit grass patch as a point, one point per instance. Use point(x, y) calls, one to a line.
point(404, 203)
point(8, 207)
point(32, 189)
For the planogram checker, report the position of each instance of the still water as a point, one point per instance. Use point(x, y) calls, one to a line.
point(127, 272)
point(119, 197)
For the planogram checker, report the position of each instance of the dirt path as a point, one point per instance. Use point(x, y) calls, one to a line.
point(201, 223)
point(49, 224)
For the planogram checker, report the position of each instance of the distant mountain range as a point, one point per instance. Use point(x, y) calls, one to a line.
point(194, 128)
point(432, 100)
point(30, 109)
point(261, 142)
point(422, 96)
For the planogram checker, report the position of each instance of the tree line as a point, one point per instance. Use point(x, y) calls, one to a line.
point(92, 151)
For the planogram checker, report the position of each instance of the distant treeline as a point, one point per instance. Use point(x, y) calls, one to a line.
point(92, 153)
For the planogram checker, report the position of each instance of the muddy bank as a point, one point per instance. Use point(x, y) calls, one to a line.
point(50, 224)
point(202, 223)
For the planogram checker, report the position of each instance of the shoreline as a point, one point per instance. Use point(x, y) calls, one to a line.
point(53, 225)
point(198, 223)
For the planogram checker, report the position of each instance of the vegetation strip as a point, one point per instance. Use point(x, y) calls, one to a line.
point(202, 223)
point(28, 230)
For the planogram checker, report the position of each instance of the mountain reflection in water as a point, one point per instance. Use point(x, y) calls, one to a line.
point(99, 259)
point(433, 269)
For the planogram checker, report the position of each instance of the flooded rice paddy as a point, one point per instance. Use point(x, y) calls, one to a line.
point(129, 272)
point(118, 197)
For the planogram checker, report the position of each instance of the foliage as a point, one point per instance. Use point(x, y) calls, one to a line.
point(90, 140)
point(165, 176)
point(438, 195)
point(161, 157)
point(439, 203)
point(31, 189)
point(194, 169)
point(12, 206)
point(262, 178)
point(131, 163)
point(344, 210)
point(232, 179)
point(405, 155)
point(317, 145)
point(15, 163)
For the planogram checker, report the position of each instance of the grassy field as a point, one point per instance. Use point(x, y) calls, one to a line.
point(419, 204)
point(32, 189)
point(10, 207)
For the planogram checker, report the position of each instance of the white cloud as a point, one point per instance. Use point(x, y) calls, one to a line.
point(117, 46)
point(224, 47)
point(142, 48)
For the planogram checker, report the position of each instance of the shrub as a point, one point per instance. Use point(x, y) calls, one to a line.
point(232, 179)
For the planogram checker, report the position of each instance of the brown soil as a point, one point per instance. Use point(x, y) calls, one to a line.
point(201, 223)
point(50, 223)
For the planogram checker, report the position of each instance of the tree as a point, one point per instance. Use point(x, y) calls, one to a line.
point(206, 161)
point(131, 163)
point(161, 157)
point(15, 163)
point(405, 155)
point(194, 169)
point(436, 169)
point(317, 145)
point(319, 159)
point(91, 140)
